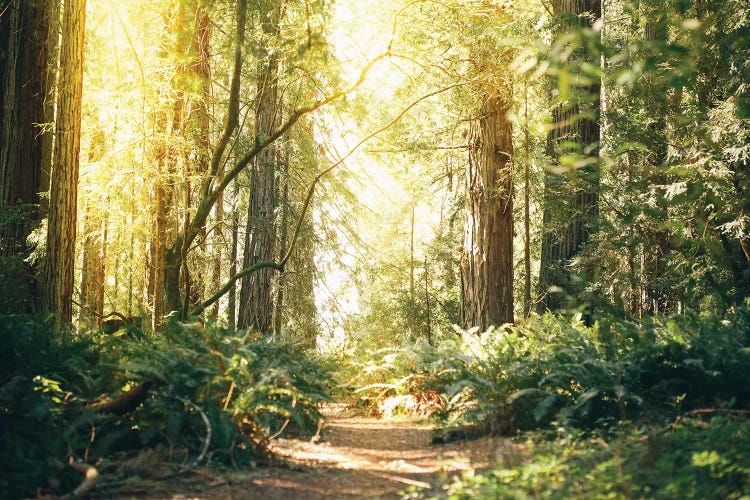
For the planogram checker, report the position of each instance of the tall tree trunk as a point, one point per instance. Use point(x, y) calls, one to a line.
point(200, 75)
point(218, 246)
point(255, 294)
point(94, 250)
point(28, 48)
point(283, 240)
point(61, 234)
point(526, 205)
point(571, 201)
point(487, 260)
point(656, 109)
point(189, 128)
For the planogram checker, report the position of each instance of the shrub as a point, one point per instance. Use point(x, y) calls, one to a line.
point(690, 459)
point(556, 369)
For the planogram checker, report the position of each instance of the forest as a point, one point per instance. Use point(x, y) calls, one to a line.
point(222, 221)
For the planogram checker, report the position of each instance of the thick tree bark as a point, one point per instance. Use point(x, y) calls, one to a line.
point(28, 48)
point(487, 260)
point(61, 233)
point(256, 306)
point(571, 200)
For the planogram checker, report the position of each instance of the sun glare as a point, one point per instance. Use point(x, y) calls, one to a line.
point(363, 31)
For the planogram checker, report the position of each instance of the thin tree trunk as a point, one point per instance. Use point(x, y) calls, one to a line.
point(94, 250)
point(427, 301)
point(232, 297)
point(283, 242)
point(93, 269)
point(411, 260)
point(526, 206)
point(218, 249)
point(61, 233)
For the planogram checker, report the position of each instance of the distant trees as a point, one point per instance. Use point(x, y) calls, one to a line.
point(195, 183)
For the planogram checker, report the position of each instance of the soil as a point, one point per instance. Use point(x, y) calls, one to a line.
point(354, 457)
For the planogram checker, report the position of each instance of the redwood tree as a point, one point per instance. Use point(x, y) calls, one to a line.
point(256, 307)
point(487, 260)
point(571, 200)
point(28, 46)
point(61, 233)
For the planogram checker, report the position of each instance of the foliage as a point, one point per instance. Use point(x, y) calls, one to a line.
point(557, 369)
point(245, 385)
point(367, 376)
point(692, 458)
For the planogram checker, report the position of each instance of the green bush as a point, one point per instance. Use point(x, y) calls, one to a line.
point(690, 459)
point(246, 387)
point(552, 368)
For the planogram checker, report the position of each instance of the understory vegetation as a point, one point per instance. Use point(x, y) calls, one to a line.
point(138, 405)
point(655, 409)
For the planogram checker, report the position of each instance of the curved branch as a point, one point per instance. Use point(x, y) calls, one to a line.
point(311, 189)
point(249, 270)
point(308, 199)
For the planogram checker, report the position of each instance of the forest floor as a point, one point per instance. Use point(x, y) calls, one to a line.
point(355, 457)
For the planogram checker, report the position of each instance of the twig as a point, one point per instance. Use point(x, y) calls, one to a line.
point(274, 436)
point(91, 476)
point(207, 423)
point(411, 482)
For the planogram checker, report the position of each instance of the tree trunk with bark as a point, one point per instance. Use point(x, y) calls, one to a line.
point(256, 307)
point(61, 234)
point(571, 199)
point(28, 55)
point(487, 260)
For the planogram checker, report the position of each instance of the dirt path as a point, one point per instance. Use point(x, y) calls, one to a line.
point(356, 457)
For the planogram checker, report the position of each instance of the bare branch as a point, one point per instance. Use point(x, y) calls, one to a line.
point(223, 290)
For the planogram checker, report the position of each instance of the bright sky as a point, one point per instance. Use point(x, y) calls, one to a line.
point(363, 30)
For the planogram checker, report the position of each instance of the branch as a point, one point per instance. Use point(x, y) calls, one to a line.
point(209, 198)
point(233, 113)
point(249, 270)
point(230, 124)
point(308, 199)
point(311, 189)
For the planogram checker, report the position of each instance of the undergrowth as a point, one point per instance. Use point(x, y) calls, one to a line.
point(214, 396)
point(690, 459)
point(618, 409)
